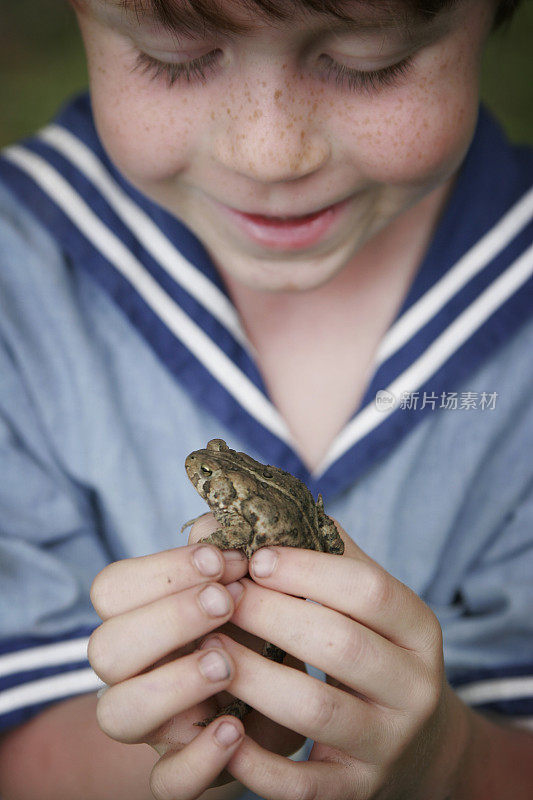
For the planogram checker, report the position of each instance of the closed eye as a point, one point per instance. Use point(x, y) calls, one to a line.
point(172, 71)
point(365, 80)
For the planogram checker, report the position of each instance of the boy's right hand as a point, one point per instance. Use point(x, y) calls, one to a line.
point(154, 611)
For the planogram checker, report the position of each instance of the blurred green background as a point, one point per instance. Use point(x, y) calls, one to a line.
point(41, 63)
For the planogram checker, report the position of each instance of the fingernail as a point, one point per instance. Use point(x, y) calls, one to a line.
point(233, 555)
point(235, 589)
point(227, 734)
point(215, 601)
point(263, 562)
point(211, 641)
point(207, 561)
point(214, 666)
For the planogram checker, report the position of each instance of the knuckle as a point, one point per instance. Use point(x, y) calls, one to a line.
point(378, 588)
point(350, 644)
point(320, 709)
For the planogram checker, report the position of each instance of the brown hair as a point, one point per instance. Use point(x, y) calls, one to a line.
point(213, 16)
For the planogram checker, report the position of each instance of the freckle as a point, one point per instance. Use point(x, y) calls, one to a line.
point(212, 115)
point(277, 94)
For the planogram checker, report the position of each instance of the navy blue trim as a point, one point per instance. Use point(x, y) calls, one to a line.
point(492, 172)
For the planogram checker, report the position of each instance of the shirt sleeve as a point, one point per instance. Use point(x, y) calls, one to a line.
point(49, 544)
point(489, 637)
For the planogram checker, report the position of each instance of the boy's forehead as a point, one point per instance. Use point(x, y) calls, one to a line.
point(239, 16)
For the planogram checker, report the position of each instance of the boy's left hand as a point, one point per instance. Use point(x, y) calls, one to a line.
point(386, 724)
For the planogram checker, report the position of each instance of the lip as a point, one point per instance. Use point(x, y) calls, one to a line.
point(287, 233)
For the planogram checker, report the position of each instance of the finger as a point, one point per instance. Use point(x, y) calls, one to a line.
point(306, 705)
point(273, 776)
point(131, 710)
point(357, 587)
point(345, 649)
point(135, 582)
point(186, 774)
point(125, 645)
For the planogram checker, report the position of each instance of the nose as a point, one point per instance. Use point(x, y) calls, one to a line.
point(269, 140)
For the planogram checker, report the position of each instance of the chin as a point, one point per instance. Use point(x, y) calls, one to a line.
point(285, 275)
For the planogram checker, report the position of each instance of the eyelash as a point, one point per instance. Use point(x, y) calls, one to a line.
point(193, 70)
point(197, 68)
point(366, 81)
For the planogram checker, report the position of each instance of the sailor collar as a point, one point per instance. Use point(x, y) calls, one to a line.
point(472, 292)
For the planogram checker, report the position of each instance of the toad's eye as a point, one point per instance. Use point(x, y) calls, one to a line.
point(205, 470)
point(267, 474)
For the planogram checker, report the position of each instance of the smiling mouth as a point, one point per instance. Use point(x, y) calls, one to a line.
point(287, 220)
point(287, 232)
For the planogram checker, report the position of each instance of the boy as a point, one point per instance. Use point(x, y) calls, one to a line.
point(280, 217)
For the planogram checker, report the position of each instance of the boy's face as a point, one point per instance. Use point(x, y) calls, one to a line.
point(355, 121)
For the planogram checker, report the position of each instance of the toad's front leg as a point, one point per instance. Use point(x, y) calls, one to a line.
point(231, 538)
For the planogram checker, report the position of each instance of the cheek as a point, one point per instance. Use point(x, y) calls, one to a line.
point(422, 132)
point(146, 129)
point(147, 143)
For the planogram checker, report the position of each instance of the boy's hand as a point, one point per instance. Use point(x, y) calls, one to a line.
point(386, 725)
point(154, 611)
